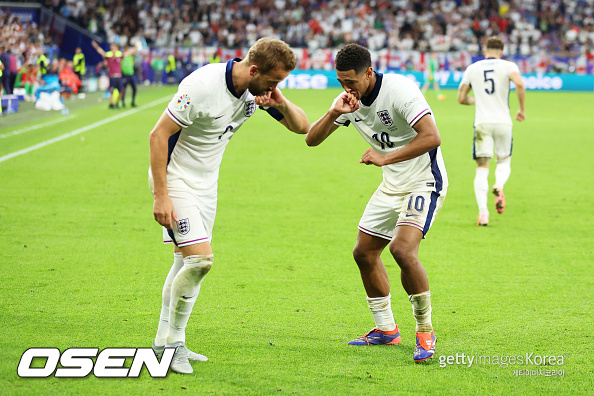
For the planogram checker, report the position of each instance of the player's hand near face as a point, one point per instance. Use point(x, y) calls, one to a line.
point(345, 103)
point(372, 157)
point(164, 211)
point(322, 128)
point(273, 98)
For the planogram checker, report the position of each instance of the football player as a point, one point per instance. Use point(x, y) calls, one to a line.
point(392, 115)
point(490, 81)
point(186, 149)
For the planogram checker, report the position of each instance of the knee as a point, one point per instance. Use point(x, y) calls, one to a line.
point(402, 254)
point(482, 162)
point(362, 257)
point(198, 265)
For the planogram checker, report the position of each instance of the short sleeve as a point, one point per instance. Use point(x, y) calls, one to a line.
point(513, 68)
point(411, 104)
point(466, 77)
point(187, 104)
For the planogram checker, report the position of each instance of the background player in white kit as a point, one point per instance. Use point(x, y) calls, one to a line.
point(490, 81)
point(392, 115)
point(186, 149)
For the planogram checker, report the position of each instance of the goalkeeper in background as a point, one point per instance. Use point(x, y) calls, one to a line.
point(433, 67)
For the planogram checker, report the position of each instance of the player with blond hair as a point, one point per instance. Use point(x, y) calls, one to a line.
point(490, 80)
point(186, 149)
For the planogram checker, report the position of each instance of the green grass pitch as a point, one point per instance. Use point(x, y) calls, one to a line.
point(82, 264)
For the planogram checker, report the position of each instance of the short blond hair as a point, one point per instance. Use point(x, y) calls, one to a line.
point(494, 43)
point(268, 54)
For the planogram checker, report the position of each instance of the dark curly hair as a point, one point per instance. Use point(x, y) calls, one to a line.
point(353, 57)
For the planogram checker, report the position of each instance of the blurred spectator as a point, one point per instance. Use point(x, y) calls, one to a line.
point(78, 62)
point(69, 80)
point(158, 66)
point(557, 26)
point(5, 78)
point(27, 79)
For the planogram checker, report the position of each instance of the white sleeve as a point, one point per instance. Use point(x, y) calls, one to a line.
point(466, 76)
point(411, 104)
point(513, 68)
point(188, 103)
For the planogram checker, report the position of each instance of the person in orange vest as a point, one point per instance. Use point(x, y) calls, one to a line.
point(69, 80)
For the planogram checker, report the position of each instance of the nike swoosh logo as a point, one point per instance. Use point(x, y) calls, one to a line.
point(409, 215)
point(356, 120)
point(216, 118)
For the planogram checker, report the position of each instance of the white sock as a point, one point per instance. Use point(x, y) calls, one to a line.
point(421, 304)
point(481, 189)
point(381, 309)
point(163, 329)
point(184, 291)
point(502, 171)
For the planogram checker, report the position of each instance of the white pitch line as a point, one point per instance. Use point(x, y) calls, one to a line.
point(34, 127)
point(81, 130)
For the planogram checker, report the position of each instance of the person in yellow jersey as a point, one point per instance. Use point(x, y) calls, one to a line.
point(78, 61)
point(170, 67)
point(215, 57)
point(42, 62)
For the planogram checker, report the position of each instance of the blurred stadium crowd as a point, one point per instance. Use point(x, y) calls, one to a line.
point(561, 27)
point(542, 34)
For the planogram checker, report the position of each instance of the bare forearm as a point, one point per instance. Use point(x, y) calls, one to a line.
point(321, 129)
point(469, 100)
point(463, 97)
point(417, 147)
point(158, 159)
point(426, 140)
point(521, 92)
point(295, 117)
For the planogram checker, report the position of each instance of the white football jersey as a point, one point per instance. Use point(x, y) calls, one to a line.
point(209, 111)
point(489, 79)
point(385, 120)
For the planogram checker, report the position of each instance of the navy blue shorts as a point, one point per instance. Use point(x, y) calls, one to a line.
point(115, 82)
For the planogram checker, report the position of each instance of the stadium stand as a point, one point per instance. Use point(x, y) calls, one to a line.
point(555, 36)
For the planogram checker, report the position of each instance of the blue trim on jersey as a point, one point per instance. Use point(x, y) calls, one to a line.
point(346, 123)
point(432, 206)
point(274, 112)
point(368, 101)
point(171, 144)
point(177, 120)
point(474, 144)
point(229, 77)
point(435, 170)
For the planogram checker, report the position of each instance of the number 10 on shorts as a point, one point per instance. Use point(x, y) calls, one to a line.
point(418, 202)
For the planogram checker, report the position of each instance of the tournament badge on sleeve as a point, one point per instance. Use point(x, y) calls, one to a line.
point(249, 108)
point(385, 117)
point(183, 102)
